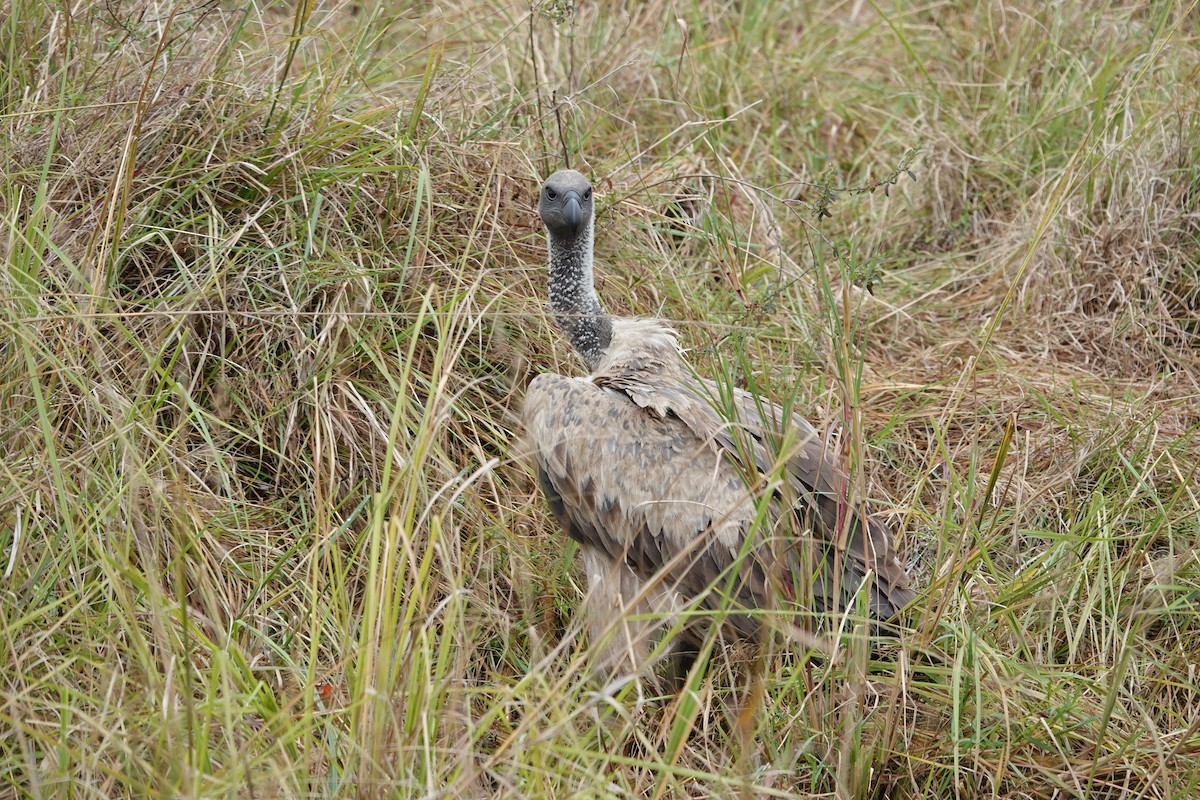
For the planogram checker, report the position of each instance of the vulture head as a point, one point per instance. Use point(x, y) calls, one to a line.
point(566, 204)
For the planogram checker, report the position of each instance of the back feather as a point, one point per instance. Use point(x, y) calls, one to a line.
point(637, 463)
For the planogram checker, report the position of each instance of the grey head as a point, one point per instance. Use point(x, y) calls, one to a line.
point(566, 204)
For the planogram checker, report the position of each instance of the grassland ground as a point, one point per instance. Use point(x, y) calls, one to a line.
point(273, 285)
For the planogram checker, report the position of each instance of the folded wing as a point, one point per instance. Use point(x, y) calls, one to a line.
point(640, 466)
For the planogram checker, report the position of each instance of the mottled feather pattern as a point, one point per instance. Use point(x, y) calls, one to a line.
point(645, 472)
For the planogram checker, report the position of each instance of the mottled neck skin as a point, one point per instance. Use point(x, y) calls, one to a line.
point(573, 295)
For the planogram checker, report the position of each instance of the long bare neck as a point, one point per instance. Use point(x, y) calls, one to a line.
point(573, 298)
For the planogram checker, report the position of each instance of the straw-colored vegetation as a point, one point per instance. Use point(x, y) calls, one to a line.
point(273, 286)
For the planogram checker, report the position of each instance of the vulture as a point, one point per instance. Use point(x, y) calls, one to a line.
point(689, 510)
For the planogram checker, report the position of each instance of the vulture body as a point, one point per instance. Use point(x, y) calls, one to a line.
point(663, 492)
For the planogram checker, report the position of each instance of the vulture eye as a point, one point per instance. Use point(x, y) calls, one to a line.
point(587, 195)
point(550, 193)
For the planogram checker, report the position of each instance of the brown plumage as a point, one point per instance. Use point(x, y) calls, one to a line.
point(662, 491)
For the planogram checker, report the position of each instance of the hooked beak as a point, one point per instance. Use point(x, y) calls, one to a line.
point(572, 211)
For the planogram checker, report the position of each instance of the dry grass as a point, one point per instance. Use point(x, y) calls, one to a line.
point(272, 289)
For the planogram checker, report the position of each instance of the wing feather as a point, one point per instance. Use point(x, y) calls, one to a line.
point(822, 487)
point(637, 463)
point(642, 489)
point(752, 433)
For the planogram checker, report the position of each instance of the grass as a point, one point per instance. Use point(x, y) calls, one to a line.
point(273, 286)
